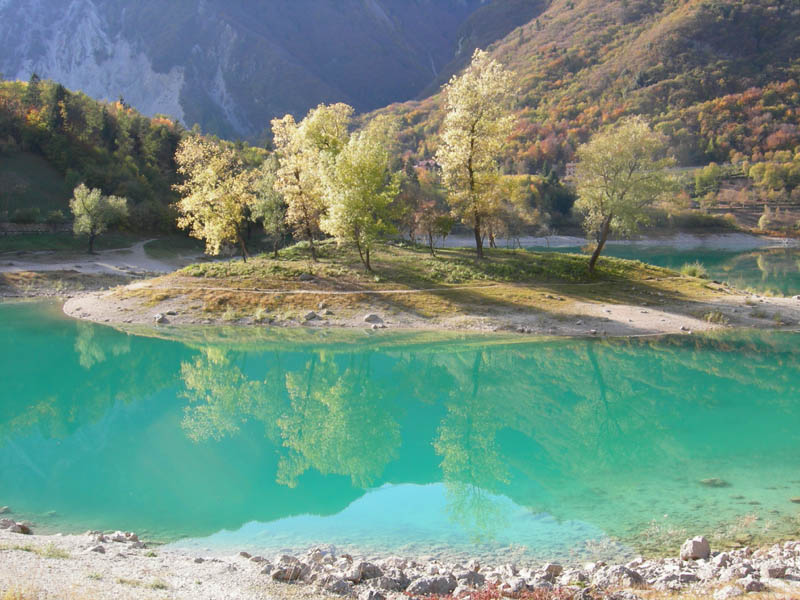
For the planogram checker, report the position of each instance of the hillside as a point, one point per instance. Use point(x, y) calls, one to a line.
point(233, 65)
point(719, 77)
point(52, 139)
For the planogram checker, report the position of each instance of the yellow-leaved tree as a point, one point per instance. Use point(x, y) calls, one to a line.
point(361, 187)
point(307, 152)
point(216, 193)
point(476, 128)
point(620, 172)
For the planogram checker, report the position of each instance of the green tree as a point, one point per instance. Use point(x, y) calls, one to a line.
point(474, 134)
point(269, 207)
point(216, 193)
point(361, 187)
point(621, 171)
point(94, 213)
point(307, 151)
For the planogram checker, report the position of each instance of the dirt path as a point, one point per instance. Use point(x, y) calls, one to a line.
point(133, 261)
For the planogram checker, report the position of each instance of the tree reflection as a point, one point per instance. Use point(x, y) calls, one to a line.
point(92, 349)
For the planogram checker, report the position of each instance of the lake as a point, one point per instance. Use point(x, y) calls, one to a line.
point(764, 270)
point(399, 443)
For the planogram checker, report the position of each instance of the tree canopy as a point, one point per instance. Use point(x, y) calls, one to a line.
point(94, 212)
point(621, 172)
point(476, 128)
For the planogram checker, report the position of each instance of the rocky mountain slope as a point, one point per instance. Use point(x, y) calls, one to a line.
point(231, 65)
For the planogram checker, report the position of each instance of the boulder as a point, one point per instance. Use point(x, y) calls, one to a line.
point(98, 549)
point(160, 319)
point(4, 510)
point(439, 585)
point(723, 559)
point(552, 570)
point(373, 318)
point(7, 523)
point(244, 554)
point(337, 586)
point(310, 316)
point(371, 595)
point(696, 548)
point(362, 571)
point(306, 277)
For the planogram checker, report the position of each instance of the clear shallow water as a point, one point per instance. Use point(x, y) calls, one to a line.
point(398, 443)
point(773, 270)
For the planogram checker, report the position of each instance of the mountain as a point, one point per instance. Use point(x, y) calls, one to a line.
point(718, 77)
point(232, 65)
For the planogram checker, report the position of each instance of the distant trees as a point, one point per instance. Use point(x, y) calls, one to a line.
point(216, 194)
point(621, 171)
point(476, 127)
point(307, 151)
point(361, 187)
point(269, 207)
point(94, 212)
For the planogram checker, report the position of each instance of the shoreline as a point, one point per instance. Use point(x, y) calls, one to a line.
point(118, 565)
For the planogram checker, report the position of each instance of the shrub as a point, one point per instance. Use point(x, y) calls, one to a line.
point(695, 269)
point(55, 217)
point(25, 215)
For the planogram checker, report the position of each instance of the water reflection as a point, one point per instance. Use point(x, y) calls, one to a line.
point(191, 438)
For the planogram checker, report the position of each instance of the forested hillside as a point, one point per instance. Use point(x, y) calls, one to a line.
point(52, 139)
point(719, 77)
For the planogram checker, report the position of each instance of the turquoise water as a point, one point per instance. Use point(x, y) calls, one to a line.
point(398, 443)
point(773, 270)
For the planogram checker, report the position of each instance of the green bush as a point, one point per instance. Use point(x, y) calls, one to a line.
point(695, 269)
point(26, 215)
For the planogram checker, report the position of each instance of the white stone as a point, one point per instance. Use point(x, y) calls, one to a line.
point(695, 549)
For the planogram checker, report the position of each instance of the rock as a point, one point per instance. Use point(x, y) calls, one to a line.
point(306, 277)
point(751, 584)
point(513, 586)
point(98, 549)
point(696, 548)
point(553, 570)
point(362, 572)
point(337, 586)
point(244, 554)
point(729, 591)
point(795, 500)
point(624, 595)
point(21, 528)
point(310, 316)
point(714, 482)
point(138, 545)
point(437, 584)
point(371, 595)
point(7, 523)
point(327, 312)
point(773, 570)
point(474, 565)
point(373, 318)
point(684, 328)
point(4, 510)
point(723, 559)
point(171, 313)
point(258, 559)
point(321, 306)
point(470, 578)
point(287, 573)
point(160, 319)
point(616, 575)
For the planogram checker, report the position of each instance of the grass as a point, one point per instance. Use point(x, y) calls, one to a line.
point(695, 269)
point(50, 551)
point(29, 181)
point(716, 317)
point(63, 242)
point(407, 280)
point(172, 246)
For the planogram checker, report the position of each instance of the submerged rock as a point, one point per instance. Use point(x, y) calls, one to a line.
point(714, 482)
point(4, 510)
point(696, 548)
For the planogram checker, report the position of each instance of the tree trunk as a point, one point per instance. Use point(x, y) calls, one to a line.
point(478, 237)
point(600, 243)
point(430, 243)
point(492, 243)
point(243, 247)
point(275, 248)
point(369, 266)
point(91, 242)
point(361, 254)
